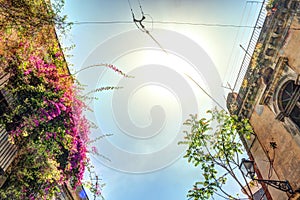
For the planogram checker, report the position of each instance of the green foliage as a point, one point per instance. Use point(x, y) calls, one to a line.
point(44, 118)
point(215, 150)
point(30, 16)
point(271, 4)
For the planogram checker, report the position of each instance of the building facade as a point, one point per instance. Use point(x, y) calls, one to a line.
point(270, 97)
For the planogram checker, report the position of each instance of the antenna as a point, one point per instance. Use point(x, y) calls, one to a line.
point(228, 86)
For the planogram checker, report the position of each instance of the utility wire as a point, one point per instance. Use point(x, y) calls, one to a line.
point(247, 20)
point(234, 45)
point(167, 22)
point(100, 22)
point(212, 98)
point(139, 24)
point(205, 24)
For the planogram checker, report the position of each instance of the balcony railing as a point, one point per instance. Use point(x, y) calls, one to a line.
point(7, 150)
point(251, 46)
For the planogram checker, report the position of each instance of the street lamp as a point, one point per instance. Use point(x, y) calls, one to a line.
point(247, 167)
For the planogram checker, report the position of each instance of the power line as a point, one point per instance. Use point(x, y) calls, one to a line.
point(100, 22)
point(167, 22)
point(140, 26)
point(204, 24)
point(203, 90)
point(231, 58)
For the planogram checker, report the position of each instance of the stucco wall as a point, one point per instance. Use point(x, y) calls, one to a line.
point(291, 46)
point(287, 154)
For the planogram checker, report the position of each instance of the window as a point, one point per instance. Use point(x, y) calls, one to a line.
point(289, 102)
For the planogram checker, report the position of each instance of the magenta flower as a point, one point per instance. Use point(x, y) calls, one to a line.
point(50, 117)
point(27, 72)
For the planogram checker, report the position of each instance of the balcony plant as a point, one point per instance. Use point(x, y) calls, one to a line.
point(45, 120)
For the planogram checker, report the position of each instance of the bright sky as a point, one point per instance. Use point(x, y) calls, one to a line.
point(146, 115)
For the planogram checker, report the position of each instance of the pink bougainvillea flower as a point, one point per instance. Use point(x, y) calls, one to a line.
point(27, 72)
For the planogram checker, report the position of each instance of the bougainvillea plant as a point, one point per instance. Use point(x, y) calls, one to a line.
point(45, 113)
point(45, 121)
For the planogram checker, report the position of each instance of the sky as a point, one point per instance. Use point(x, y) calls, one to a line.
point(141, 159)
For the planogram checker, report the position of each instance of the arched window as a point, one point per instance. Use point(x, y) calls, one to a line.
point(289, 102)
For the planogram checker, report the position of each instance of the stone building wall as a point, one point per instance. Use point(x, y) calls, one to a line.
point(283, 161)
point(270, 98)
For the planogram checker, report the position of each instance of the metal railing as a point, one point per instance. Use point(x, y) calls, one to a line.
point(251, 46)
point(8, 151)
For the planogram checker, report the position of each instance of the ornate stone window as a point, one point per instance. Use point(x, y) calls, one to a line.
point(289, 102)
